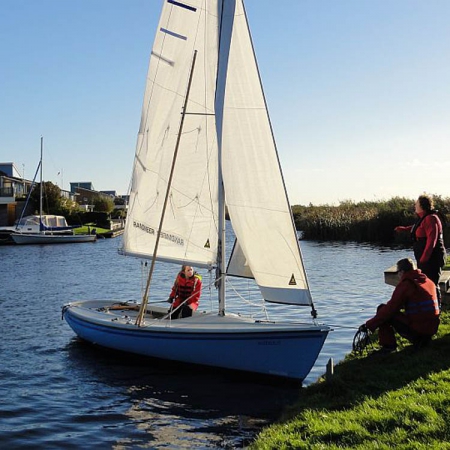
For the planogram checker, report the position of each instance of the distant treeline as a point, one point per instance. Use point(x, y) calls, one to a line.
point(364, 221)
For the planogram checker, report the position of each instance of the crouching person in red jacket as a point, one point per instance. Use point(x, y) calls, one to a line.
point(412, 312)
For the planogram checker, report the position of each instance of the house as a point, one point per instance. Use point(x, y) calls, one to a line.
point(14, 190)
point(85, 197)
point(13, 187)
point(81, 184)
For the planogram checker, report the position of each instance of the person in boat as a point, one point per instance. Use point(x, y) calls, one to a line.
point(428, 241)
point(185, 293)
point(412, 312)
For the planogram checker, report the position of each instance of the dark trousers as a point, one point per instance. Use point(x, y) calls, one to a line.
point(400, 324)
point(433, 270)
point(181, 312)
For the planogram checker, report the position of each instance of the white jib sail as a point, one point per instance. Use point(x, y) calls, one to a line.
point(255, 193)
point(189, 232)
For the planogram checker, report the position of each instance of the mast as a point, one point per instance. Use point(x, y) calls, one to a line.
point(226, 11)
point(221, 259)
point(40, 187)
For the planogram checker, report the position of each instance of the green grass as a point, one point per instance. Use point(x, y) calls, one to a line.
point(447, 264)
point(401, 401)
point(85, 229)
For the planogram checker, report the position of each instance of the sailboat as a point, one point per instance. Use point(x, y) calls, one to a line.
point(205, 146)
point(45, 228)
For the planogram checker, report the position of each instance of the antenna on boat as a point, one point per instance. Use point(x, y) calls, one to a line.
point(144, 303)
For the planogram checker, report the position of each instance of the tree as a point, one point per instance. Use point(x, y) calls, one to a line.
point(51, 197)
point(103, 204)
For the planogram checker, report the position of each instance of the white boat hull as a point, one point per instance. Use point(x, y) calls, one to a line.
point(22, 238)
point(284, 350)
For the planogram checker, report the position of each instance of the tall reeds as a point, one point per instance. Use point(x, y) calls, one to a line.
point(364, 221)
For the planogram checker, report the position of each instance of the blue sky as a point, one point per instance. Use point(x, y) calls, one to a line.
point(358, 91)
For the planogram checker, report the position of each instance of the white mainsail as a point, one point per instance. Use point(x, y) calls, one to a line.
point(189, 232)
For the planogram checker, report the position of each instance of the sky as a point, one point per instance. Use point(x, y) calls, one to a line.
point(358, 92)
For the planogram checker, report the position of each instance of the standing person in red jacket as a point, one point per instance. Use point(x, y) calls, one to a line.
point(185, 292)
point(428, 241)
point(412, 311)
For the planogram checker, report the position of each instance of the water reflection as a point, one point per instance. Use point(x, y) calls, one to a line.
point(168, 405)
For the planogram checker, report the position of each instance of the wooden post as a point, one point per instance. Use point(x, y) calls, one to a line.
point(330, 370)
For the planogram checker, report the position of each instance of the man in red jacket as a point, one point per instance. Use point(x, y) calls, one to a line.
point(412, 311)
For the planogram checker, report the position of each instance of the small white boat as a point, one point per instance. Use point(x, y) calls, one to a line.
point(46, 238)
point(47, 223)
point(205, 139)
point(43, 228)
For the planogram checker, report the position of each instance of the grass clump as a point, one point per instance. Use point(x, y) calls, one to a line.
point(400, 400)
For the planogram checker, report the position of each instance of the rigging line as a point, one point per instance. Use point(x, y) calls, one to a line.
point(261, 305)
point(343, 326)
point(171, 310)
point(152, 204)
point(195, 199)
point(191, 131)
point(348, 310)
point(199, 114)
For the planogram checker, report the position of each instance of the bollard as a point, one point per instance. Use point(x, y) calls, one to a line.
point(330, 370)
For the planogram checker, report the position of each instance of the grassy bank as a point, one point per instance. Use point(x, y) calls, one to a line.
point(363, 221)
point(400, 400)
point(87, 229)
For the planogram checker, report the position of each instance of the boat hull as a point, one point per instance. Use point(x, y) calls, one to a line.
point(229, 342)
point(22, 238)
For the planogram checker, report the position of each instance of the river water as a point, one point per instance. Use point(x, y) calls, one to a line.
point(57, 392)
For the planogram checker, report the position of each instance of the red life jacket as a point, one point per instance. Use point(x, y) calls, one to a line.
point(416, 295)
point(187, 288)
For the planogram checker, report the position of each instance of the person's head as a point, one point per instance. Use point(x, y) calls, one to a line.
point(188, 271)
point(405, 265)
point(424, 204)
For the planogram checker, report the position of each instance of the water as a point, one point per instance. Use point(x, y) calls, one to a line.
point(57, 392)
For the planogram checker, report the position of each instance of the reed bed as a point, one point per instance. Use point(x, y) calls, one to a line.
point(364, 221)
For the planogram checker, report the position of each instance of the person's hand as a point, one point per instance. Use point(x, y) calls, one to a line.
point(399, 228)
point(363, 328)
point(170, 300)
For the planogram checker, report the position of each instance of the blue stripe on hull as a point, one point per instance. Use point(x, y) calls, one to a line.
point(287, 354)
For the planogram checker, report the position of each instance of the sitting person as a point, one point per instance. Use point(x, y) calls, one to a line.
point(185, 292)
point(415, 295)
